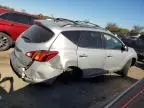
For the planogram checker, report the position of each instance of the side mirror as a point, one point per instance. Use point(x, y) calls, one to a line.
point(124, 48)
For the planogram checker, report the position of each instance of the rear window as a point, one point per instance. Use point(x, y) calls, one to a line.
point(37, 34)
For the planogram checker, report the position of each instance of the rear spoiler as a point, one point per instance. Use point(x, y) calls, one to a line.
point(49, 24)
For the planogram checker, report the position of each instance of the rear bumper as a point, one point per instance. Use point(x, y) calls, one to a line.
point(36, 73)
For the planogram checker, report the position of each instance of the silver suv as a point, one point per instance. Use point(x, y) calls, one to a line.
point(52, 47)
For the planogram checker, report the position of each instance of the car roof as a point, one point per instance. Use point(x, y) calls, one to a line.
point(54, 26)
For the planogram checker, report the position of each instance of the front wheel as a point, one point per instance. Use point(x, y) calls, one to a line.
point(124, 71)
point(5, 42)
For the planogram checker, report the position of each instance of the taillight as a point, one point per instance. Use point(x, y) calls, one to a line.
point(41, 55)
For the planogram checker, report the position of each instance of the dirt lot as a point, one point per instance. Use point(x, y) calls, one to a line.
point(14, 93)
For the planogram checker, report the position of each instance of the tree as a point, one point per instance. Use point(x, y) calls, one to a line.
point(41, 16)
point(142, 33)
point(133, 33)
point(123, 31)
point(112, 27)
point(138, 28)
point(6, 7)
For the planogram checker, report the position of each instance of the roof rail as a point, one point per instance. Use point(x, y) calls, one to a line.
point(67, 22)
point(87, 23)
point(63, 19)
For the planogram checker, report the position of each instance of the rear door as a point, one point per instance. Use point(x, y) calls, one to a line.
point(15, 23)
point(91, 54)
point(114, 55)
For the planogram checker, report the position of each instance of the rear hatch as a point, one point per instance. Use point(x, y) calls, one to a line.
point(37, 37)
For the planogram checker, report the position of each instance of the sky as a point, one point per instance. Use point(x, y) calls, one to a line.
point(125, 13)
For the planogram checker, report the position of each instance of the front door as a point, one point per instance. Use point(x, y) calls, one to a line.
point(115, 55)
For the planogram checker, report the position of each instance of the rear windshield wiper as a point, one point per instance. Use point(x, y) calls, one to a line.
point(26, 39)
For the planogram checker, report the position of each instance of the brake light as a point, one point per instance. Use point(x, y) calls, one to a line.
point(42, 55)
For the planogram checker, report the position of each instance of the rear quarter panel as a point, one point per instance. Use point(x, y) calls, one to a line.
point(67, 51)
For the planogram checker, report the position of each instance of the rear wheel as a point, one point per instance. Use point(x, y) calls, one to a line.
point(124, 71)
point(5, 42)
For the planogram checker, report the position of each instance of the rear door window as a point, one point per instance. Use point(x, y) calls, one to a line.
point(37, 34)
point(73, 36)
point(90, 39)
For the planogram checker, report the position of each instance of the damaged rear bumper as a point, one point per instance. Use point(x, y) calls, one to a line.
point(36, 73)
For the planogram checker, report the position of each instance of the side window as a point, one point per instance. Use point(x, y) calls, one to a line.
point(7, 16)
point(90, 39)
point(4, 16)
point(111, 42)
point(21, 18)
point(15, 18)
point(72, 36)
point(31, 20)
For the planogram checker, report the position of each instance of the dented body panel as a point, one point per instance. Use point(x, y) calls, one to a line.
point(38, 71)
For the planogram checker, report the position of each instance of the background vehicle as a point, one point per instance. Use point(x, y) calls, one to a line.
point(12, 24)
point(138, 45)
point(50, 48)
point(131, 98)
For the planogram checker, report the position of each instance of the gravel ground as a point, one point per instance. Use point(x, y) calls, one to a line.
point(84, 93)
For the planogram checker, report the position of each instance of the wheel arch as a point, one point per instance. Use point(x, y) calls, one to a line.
point(74, 67)
point(6, 33)
point(78, 72)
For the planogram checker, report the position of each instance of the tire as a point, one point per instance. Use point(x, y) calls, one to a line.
point(124, 71)
point(5, 42)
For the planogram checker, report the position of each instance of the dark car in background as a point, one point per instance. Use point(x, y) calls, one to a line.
point(137, 43)
point(12, 24)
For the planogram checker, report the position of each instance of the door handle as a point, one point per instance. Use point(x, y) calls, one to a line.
point(83, 55)
point(109, 56)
